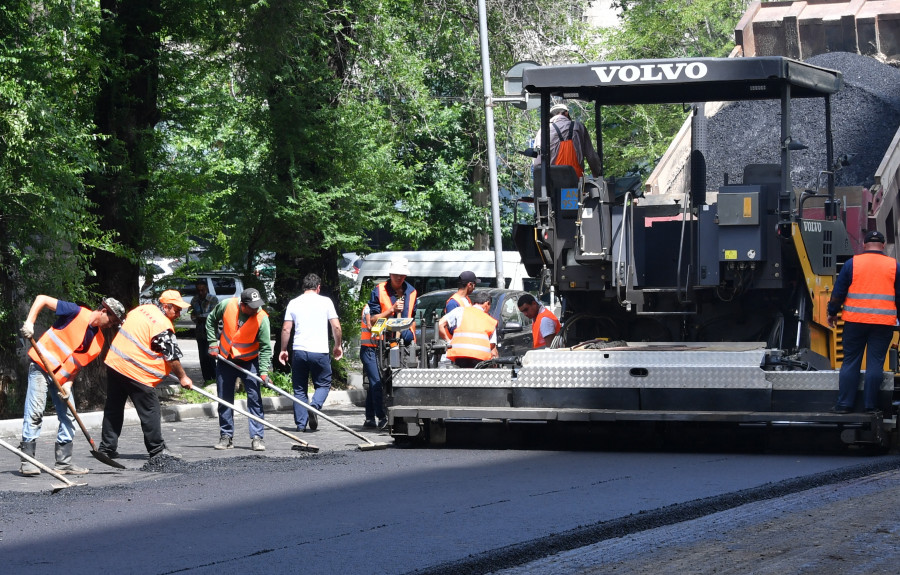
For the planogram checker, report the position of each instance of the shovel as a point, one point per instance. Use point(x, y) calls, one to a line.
point(33, 461)
point(62, 393)
point(303, 446)
point(369, 445)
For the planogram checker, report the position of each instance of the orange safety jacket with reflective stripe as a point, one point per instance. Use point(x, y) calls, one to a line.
point(472, 337)
point(536, 327)
point(462, 301)
point(239, 342)
point(870, 298)
point(566, 155)
point(384, 299)
point(365, 334)
point(61, 348)
point(130, 353)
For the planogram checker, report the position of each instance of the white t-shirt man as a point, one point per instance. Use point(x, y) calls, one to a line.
point(311, 314)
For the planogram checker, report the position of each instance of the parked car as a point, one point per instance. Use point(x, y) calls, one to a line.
point(223, 285)
point(513, 328)
point(349, 265)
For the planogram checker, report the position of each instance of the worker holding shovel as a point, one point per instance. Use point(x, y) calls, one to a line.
point(143, 353)
point(74, 340)
point(246, 340)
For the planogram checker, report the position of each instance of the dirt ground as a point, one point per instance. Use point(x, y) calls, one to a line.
point(848, 527)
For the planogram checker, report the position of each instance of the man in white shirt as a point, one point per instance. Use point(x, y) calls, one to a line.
point(310, 313)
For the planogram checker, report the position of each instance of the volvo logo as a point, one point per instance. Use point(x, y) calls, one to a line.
point(812, 226)
point(651, 72)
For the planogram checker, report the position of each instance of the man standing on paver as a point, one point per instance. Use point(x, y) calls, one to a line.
point(142, 354)
point(309, 315)
point(246, 341)
point(74, 340)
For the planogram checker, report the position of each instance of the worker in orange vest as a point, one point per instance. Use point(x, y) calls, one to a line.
point(395, 297)
point(868, 288)
point(465, 286)
point(474, 337)
point(246, 341)
point(74, 340)
point(143, 353)
point(368, 351)
point(545, 325)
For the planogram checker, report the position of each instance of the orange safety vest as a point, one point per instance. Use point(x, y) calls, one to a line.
point(239, 342)
point(365, 334)
point(61, 348)
point(566, 155)
point(870, 298)
point(130, 353)
point(462, 301)
point(472, 337)
point(536, 327)
point(385, 300)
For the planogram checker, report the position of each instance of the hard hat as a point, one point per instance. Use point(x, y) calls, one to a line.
point(558, 108)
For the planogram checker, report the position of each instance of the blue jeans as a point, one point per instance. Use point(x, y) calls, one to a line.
point(226, 377)
point(873, 340)
point(374, 400)
point(303, 365)
point(39, 383)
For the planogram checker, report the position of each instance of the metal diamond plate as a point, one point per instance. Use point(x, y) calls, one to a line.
point(644, 358)
point(815, 381)
point(452, 378)
point(650, 377)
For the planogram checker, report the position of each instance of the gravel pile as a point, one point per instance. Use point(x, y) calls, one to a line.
point(865, 117)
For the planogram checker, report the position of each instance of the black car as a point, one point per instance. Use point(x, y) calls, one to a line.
point(513, 328)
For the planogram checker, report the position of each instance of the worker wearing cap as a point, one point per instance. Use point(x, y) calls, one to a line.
point(544, 323)
point(74, 340)
point(475, 332)
point(395, 297)
point(309, 315)
point(868, 289)
point(142, 354)
point(465, 285)
point(246, 341)
point(569, 143)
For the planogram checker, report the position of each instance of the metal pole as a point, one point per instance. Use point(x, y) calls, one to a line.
point(491, 148)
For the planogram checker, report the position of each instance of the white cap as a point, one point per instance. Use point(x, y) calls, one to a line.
point(399, 266)
point(557, 108)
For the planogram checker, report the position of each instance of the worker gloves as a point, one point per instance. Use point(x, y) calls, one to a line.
point(27, 330)
point(213, 350)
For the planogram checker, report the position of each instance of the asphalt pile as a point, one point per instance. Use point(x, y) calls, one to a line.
point(865, 117)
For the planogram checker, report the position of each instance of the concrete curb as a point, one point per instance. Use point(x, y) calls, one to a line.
point(174, 413)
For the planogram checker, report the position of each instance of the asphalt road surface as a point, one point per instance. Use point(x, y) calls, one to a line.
point(448, 510)
point(611, 505)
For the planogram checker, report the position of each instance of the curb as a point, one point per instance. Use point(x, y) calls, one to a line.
point(173, 413)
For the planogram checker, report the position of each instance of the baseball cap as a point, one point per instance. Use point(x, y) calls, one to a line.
point(467, 277)
point(173, 296)
point(251, 297)
point(116, 307)
point(874, 236)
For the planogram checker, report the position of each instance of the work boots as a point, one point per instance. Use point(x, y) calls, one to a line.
point(64, 463)
point(28, 469)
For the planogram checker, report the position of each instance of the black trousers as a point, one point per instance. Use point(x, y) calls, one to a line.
point(119, 389)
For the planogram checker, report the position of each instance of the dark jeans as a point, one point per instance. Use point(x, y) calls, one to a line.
point(873, 340)
point(303, 365)
point(226, 378)
point(118, 389)
point(466, 362)
point(207, 362)
point(374, 397)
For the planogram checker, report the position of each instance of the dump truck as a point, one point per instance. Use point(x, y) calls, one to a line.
point(702, 305)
